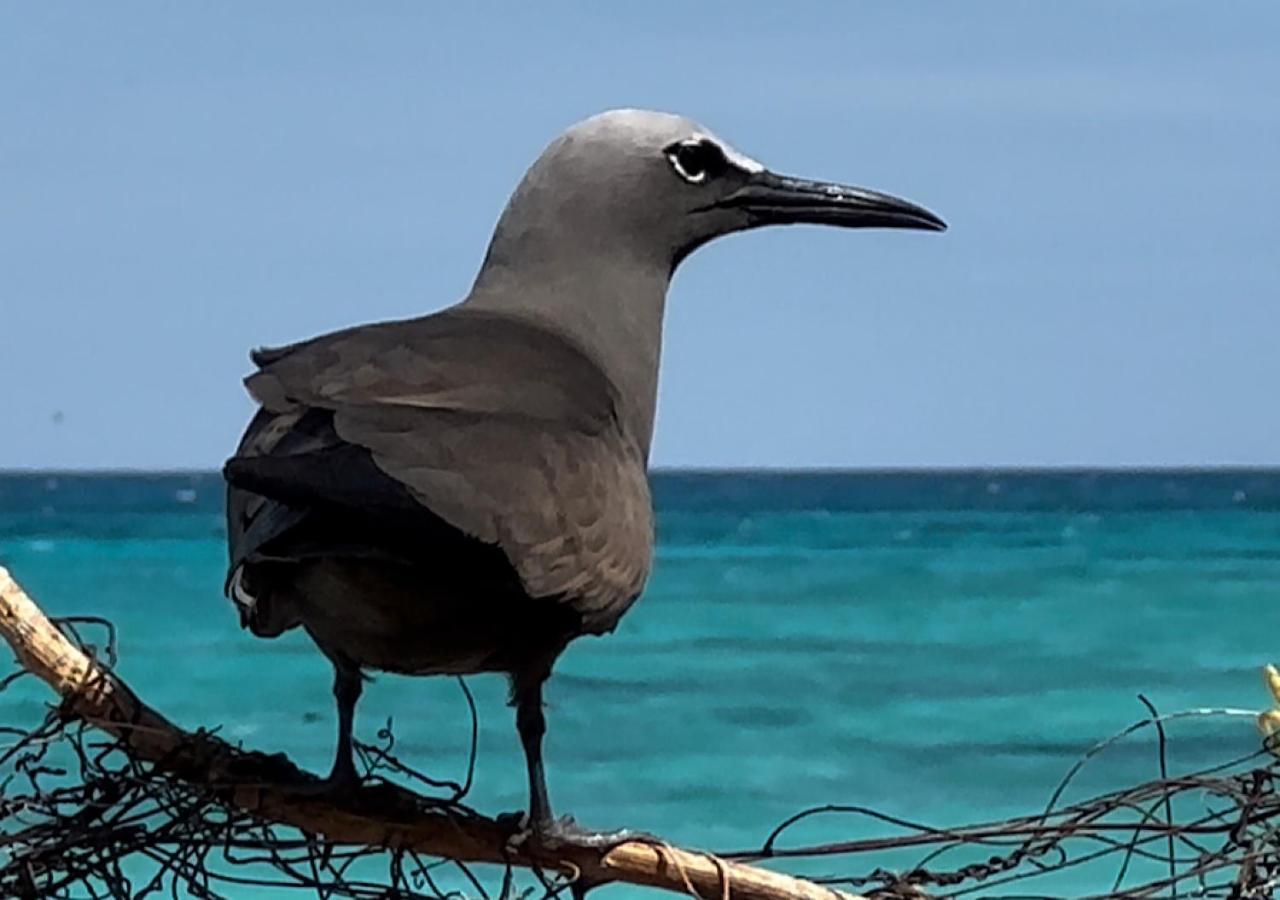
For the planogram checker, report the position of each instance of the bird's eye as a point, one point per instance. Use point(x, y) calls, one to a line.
point(697, 160)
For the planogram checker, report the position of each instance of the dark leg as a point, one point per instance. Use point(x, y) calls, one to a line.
point(532, 726)
point(346, 690)
point(527, 698)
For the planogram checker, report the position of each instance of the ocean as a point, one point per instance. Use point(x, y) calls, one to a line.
point(940, 646)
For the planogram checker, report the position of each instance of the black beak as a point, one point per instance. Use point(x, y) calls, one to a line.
point(771, 199)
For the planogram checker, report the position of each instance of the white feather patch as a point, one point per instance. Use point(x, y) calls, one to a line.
point(238, 593)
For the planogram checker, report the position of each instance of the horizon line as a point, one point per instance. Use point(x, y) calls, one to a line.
point(1034, 469)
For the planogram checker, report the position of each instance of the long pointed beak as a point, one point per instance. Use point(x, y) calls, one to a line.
point(782, 200)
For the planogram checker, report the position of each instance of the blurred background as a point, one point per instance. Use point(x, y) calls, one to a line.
point(184, 183)
point(179, 183)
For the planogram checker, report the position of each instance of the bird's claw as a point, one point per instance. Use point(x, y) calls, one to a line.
point(323, 787)
point(568, 831)
point(565, 832)
point(341, 781)
point(518, 824)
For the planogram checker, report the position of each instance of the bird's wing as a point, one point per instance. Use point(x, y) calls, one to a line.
point(501, 429)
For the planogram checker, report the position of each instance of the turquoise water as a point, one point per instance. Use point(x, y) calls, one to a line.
point(940, 646)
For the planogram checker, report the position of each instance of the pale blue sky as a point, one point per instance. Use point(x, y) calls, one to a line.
point(180, 182)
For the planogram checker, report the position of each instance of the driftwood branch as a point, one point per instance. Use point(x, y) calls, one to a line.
point(273, 790)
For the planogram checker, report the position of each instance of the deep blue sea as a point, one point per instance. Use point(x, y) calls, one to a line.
point(940, 646)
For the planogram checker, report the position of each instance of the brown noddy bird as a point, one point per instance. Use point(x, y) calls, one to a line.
point(467, 491)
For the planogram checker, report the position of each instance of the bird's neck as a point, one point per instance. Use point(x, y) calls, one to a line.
point(613, 311)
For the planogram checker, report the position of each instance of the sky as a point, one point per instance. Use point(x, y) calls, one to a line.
point(182, 182)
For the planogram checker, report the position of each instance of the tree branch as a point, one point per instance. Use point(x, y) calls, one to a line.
point(274, 790)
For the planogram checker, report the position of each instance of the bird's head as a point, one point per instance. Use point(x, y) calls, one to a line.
point(653, 187)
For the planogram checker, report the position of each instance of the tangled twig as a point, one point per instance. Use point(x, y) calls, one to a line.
point(105, 798)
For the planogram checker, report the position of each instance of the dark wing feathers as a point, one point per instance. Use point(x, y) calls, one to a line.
point(457, 359)
point(502, 430)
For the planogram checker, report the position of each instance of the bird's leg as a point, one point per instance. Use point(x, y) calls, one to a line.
point(346, 691)
point(532, 725)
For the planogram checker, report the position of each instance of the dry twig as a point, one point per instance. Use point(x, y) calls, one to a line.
point(156, 809)
point(272, 790)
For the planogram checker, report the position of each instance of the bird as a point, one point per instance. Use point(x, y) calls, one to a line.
point(467, 491)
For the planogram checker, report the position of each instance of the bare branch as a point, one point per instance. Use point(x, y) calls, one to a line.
point(273, 790)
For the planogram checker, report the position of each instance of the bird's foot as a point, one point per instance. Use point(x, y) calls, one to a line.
point(565, 832)
point(342, 781)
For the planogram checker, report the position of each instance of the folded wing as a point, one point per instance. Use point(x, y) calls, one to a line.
point(463, 421)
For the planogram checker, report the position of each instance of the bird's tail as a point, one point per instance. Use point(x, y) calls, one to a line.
point(262, 610)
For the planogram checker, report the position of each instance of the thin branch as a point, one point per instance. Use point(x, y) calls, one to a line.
point(273, 790)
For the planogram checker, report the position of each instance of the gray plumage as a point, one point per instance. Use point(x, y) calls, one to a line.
point(467, 491)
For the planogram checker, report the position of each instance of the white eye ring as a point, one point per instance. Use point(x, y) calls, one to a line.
point(691, 175)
